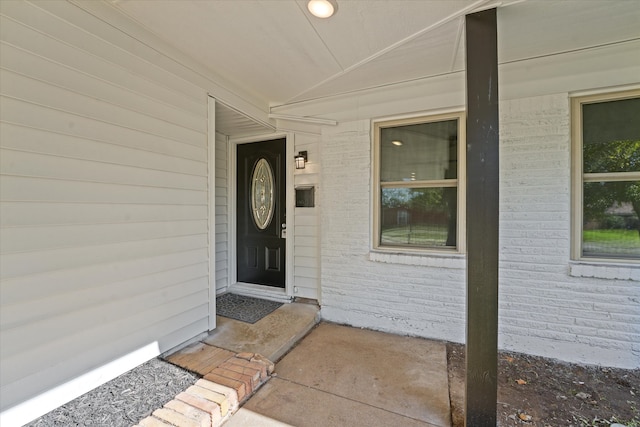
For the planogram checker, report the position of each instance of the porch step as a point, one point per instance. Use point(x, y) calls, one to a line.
point(233, 366)
point(273, 336)
point(213, 399)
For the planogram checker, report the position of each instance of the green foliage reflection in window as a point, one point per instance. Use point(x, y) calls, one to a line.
point(611, 179)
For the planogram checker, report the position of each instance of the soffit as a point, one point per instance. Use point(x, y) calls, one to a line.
point(279, 53)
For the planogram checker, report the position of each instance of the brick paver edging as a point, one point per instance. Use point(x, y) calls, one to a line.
point(213, 399)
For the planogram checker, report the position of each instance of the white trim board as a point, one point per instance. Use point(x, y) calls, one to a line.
point(211, 206)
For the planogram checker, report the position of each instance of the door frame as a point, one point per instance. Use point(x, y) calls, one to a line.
point(211, 208)
point(261, 291)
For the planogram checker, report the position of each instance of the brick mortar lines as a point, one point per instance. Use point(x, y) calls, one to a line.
point(216, 397)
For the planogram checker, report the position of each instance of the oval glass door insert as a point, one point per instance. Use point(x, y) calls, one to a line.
point(262, 201)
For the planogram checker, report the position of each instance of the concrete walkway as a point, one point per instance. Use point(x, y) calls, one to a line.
point(335, 376)
point(342, 376)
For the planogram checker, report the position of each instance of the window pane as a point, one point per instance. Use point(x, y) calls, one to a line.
point(611, 136)
point(424, 151)
point(611, 226)
point(421, 217)
point(613, 156)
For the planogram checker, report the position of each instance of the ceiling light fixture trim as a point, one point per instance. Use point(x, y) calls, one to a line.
point(322, 8)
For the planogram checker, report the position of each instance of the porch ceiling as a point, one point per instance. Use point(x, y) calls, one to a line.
point(233, 123)
point(277, 52)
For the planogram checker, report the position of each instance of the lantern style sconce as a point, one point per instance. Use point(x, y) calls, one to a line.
point(301, 159)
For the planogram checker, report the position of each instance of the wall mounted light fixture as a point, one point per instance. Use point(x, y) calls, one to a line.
point(301, 159)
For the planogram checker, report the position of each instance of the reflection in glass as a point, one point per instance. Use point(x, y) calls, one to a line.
point(611, 225)
point(420, 152)
point(611, 136)
point(612, 156)
point(262, 202)
point(420, 217)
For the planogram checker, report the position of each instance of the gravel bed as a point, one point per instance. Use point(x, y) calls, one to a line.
point(125, 400)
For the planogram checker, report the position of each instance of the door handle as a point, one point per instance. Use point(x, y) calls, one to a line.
point(283, 232)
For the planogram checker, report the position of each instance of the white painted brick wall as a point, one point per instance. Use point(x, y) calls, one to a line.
point(544, 308)
point(549, 305)
point(371, 290)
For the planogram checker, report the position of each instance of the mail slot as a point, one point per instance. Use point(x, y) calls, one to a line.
point(304, 197)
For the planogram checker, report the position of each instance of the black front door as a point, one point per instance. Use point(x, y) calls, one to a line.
point(261, 206)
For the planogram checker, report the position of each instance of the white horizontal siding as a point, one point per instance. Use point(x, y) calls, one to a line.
point(115, 310)
point(158, 321)
point(23, 263)
point(26, 239)
point(24, 113)
point(19, 163)
point(94, 296)
point(53, 213)
point(30, 139)
point(26, 188)
point(30, 64)
point(24, 289)
point(104, 193)
point(39, 92)
point(306, 240)
point(222, 214)
point(87, 34)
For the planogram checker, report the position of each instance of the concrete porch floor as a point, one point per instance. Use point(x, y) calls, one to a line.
point(331, 375)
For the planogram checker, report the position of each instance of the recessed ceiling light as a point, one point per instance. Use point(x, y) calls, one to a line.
point(396, 142)
point(321, 8)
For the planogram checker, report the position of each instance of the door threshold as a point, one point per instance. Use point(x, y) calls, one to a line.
point(260, 291)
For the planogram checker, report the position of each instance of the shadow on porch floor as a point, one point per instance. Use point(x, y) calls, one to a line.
point(328, 376)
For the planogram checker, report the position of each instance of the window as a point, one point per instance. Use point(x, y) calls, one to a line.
point(419, 203)
point(606, 176)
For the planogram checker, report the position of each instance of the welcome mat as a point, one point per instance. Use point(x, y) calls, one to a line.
point(245, 309)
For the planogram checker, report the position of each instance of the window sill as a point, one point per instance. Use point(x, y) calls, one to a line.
point(453, 261)
point(601, 270)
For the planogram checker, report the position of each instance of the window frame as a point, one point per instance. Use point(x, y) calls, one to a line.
point(578, 177)
point(459, 183)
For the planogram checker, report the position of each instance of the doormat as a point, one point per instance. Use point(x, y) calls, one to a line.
point(243, 308)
